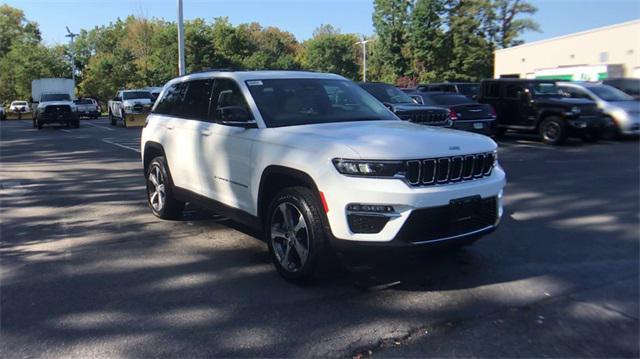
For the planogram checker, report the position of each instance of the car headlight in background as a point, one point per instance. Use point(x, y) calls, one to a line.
point(368, 168)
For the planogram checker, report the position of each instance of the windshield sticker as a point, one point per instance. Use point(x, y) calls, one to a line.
point(254, 83)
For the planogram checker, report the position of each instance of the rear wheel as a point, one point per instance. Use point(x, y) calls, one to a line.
point(295, 234)
point(553, 131)
point(160, 194)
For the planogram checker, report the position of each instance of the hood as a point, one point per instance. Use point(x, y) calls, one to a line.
point(137, 101)
point(628, 106)
point(393, 139)
point(56, 103)
point(415, 107)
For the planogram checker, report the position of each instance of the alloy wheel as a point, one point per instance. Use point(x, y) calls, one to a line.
point(156, 189)
point(289, 237)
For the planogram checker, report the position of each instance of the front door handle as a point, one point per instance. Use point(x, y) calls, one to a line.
point(205, 133)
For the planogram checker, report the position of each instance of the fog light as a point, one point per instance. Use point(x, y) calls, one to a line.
point(372, 208)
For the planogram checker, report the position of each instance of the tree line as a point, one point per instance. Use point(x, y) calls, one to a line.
point(414, 41)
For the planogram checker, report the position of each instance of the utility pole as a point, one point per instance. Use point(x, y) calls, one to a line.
point(181, 66)
point(72, 36)
point(364, 58)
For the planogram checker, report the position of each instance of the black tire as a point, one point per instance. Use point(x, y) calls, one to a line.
point(171, 208)
point(112, 119)
point(124, 120)
point(611, 132)
point(39, 125)
point(553, 131)
point(312, 239)
point(35, 122)
point(75, 124)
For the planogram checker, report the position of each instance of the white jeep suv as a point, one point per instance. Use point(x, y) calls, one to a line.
point(315, 163)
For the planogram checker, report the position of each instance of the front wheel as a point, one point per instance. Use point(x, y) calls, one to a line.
point(112, 119)
point(160, 196)
point(124, 120)
point(295, 234)
point(553, 131)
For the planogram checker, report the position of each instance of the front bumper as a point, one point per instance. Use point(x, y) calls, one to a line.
point(19, 115)
point(483, 126)
point(629, 124)
point(587, 124)
point(63, 117)
point(135, 119)
point(405, 201)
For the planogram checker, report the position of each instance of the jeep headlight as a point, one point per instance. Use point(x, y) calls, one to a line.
point(368, 168)
point(128, 108)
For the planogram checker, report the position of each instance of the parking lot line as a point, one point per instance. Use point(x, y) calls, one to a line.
point(98, 126)
point(120, 145)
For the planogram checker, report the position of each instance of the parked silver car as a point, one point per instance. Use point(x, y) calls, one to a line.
point(623, 109)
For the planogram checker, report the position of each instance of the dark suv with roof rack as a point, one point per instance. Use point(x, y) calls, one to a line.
point(539, 106)
point(406, 107)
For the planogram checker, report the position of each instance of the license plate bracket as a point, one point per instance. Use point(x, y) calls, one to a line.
point(462, 210)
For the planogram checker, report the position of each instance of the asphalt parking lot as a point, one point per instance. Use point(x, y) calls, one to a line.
point(88, 271)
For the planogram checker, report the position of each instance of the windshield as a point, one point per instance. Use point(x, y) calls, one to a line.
point(83, 102)
point(447, 99)
point(387, 93)
point(19, 103)
point(55, 97)
point(469, 89)
point(545, 89)
point(131, 95)
point(608, 93)
point(289, 102)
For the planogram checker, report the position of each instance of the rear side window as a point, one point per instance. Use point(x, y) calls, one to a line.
point(196, 100)
point(171, 103)
point(491, 89)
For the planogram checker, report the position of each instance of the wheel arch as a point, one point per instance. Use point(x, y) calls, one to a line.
point(274, 178)
point(151, 151)
point(544, 114)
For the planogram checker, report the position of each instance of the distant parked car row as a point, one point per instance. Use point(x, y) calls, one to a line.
point(554, 110)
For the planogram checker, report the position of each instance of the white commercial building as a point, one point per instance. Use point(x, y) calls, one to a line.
point(611, 51)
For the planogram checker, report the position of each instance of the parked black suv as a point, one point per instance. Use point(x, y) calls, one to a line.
point(405, 107)
point(469, 89)
point(538, 106)
point(465, 113)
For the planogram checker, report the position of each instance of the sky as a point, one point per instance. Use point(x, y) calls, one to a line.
point(300, 17)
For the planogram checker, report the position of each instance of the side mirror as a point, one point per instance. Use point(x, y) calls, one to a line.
point(235, 116)
point(417, 99)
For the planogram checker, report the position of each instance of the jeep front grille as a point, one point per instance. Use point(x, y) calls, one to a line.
point(444, 170)
point(439, 118)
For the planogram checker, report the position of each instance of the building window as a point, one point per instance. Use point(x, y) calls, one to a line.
point(604, 56)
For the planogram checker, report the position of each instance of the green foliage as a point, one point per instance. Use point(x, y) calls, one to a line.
point(330, 51)
point(390, 18)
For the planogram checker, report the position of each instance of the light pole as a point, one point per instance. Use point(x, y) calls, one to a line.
point(364, 58)
point(181, 67)
point(72, 36)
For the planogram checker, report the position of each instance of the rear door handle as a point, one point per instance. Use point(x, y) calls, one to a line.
point(205, 133)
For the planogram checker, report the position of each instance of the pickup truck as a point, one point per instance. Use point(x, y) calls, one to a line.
point(87, 108)
point(56, 108)
point(130, 106)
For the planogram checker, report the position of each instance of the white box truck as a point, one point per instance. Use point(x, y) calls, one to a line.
point(53, 102)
